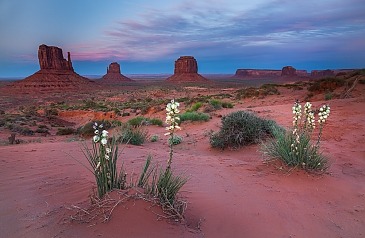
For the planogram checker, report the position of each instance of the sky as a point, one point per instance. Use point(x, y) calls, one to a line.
point(146, 37)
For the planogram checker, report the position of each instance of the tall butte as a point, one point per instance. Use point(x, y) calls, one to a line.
point(113, 75)
point(186, 70)
point(56, 73)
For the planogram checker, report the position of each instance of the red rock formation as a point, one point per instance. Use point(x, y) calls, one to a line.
point(242, 73)
point(288, 71)
point(113, 74)
point(56, 73)
point(51, 57)
point(322, 73)
point(186, 70)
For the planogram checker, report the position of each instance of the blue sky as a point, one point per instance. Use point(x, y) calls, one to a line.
point(148, 36)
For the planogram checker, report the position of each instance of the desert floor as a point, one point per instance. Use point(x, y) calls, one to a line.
point(230, 193)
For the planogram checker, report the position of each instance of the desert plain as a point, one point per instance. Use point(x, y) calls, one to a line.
point(230, 193)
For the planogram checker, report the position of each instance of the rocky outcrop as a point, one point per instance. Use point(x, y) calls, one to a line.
point(51, 57)
point(322, 73)
point(288, 71)
point(113, 74)
point(186, 70)
point(56, 73)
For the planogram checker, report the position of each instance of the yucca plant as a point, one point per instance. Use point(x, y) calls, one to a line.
point(102, 158)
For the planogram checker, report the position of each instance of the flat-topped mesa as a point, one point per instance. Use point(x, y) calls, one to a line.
point(55, 74)
point(51, 57)
point(186, 70)
point(113, 74)
point(322, 73)
point(258, 73)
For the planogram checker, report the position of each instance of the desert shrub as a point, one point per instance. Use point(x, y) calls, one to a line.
point(195, 107)
point(175, 140)
point(88, 130)
point(137, 121)
point(326, 84)
point(328, 96)
point(241, 128)
point(295, 147)
point(23, 130)
point(50, 112)
point(65, 131)
point(216, 104)
point(132, 135)
point(155, 121)
point(194, 116)
point(227, 105)
point(42, 130)
point(269, 89)
point(247, 93)
point(154, 138)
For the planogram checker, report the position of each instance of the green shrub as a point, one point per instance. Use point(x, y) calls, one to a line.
point(194, 116)
point(155, 121)
point(137, 121)
point(65, 131)
point(195, 107)
point(227, 105)
point(216, 104)
point(175, 140)
point(154, 138)
point(133, 135)
point(241, 128)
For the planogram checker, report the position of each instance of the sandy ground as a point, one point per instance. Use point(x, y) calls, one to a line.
point(229, 193)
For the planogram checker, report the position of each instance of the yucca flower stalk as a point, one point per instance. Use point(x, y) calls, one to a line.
point(172, 120)
point(323, 114)
point(103, 158)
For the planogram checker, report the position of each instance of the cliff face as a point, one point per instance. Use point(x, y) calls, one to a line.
point(56, 73)
point(287, 71)
point(186, 70)
point(113, 74)
point(322, 73)
point(51, 57)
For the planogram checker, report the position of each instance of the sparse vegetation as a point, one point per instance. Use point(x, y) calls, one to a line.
point(194, 116)
point(65, 131)
point(241, 128)
point(325, 85)
point(132, 135)
point(295, 147)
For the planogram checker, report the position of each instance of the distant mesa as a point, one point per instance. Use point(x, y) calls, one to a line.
point(287, 71)
point(186, 70)
point(322, 73)
point(56, 73)
point(113, 74)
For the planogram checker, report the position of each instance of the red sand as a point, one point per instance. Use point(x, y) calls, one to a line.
point(229, 193)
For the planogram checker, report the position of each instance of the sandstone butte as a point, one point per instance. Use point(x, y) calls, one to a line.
point(113, 75)
point(56, 73)
point(186, 70)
